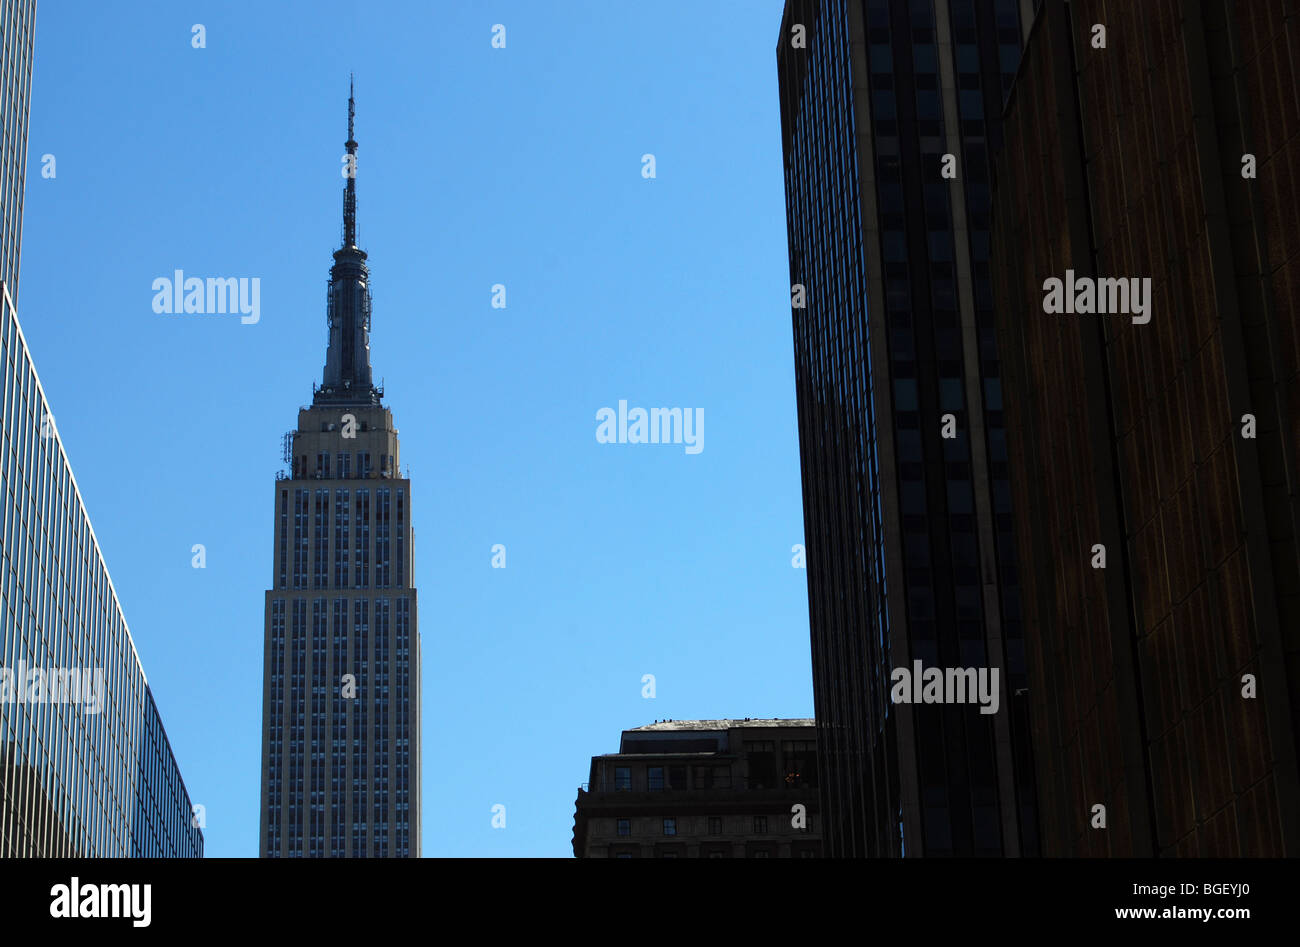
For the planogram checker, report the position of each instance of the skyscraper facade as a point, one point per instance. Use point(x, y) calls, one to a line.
point(86, 769)
point(1154, 164)
point(341, 703)
point(17, 29)
point(889, 112)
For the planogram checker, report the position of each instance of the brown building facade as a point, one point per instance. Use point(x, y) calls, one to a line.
point(1156, 451)
point(703, 789)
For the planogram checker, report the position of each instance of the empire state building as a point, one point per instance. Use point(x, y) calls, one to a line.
point(341, 697)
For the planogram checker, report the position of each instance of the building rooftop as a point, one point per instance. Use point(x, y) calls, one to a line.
point(727, 724)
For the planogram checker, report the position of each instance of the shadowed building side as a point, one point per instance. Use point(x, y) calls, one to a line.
point(703, 789)
point(907, 513)
point(1164, 681)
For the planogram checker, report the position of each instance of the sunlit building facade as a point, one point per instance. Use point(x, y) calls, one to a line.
point(341, 703)
point(86, 769)
point(17, 29)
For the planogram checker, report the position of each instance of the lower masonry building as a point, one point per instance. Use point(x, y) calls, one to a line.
point(85, 766)
point(703, 789)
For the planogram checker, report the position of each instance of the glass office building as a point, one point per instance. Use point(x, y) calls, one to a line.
point(85, 766)
point(17, 27)
point(341, 704)
point(907, 514)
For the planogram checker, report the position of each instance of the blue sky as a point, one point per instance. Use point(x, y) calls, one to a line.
point(477, 166)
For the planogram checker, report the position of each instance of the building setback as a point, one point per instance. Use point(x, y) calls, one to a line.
point(341, 705)
point(907, 512)
point(1131, 437)
point(703, 789)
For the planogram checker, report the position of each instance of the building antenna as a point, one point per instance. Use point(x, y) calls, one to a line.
point(350, 193)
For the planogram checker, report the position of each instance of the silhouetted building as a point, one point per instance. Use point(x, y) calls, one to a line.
point(1153, 418)
point(341, 707)
point(703, 789)
point(889, 111)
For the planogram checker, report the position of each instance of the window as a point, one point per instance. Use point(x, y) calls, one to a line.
point(623, 855)
point(761, 757)
point(624, 826)
point(762, 853)
point(670, 826)
point(716, 853)
point(656, 778)
point(800, 757)
point(715, 825)
point(677, 778)
point(622, 778)
point(721, 777)
point(760, 825)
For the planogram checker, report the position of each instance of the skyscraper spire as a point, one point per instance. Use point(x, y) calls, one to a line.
point(347, 376)
point(350, 191)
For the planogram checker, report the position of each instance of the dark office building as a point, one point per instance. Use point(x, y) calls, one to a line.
point(17, 27)
point(703, 789)
point(907, 511)
point(1129, 432)
point(341, 704)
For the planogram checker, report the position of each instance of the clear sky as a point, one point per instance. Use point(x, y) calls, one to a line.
point(520, 166)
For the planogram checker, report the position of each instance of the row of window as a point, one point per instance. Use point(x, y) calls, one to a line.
point(342, 468)
point(759, 825)
point(721, 851)
point(798, 772)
